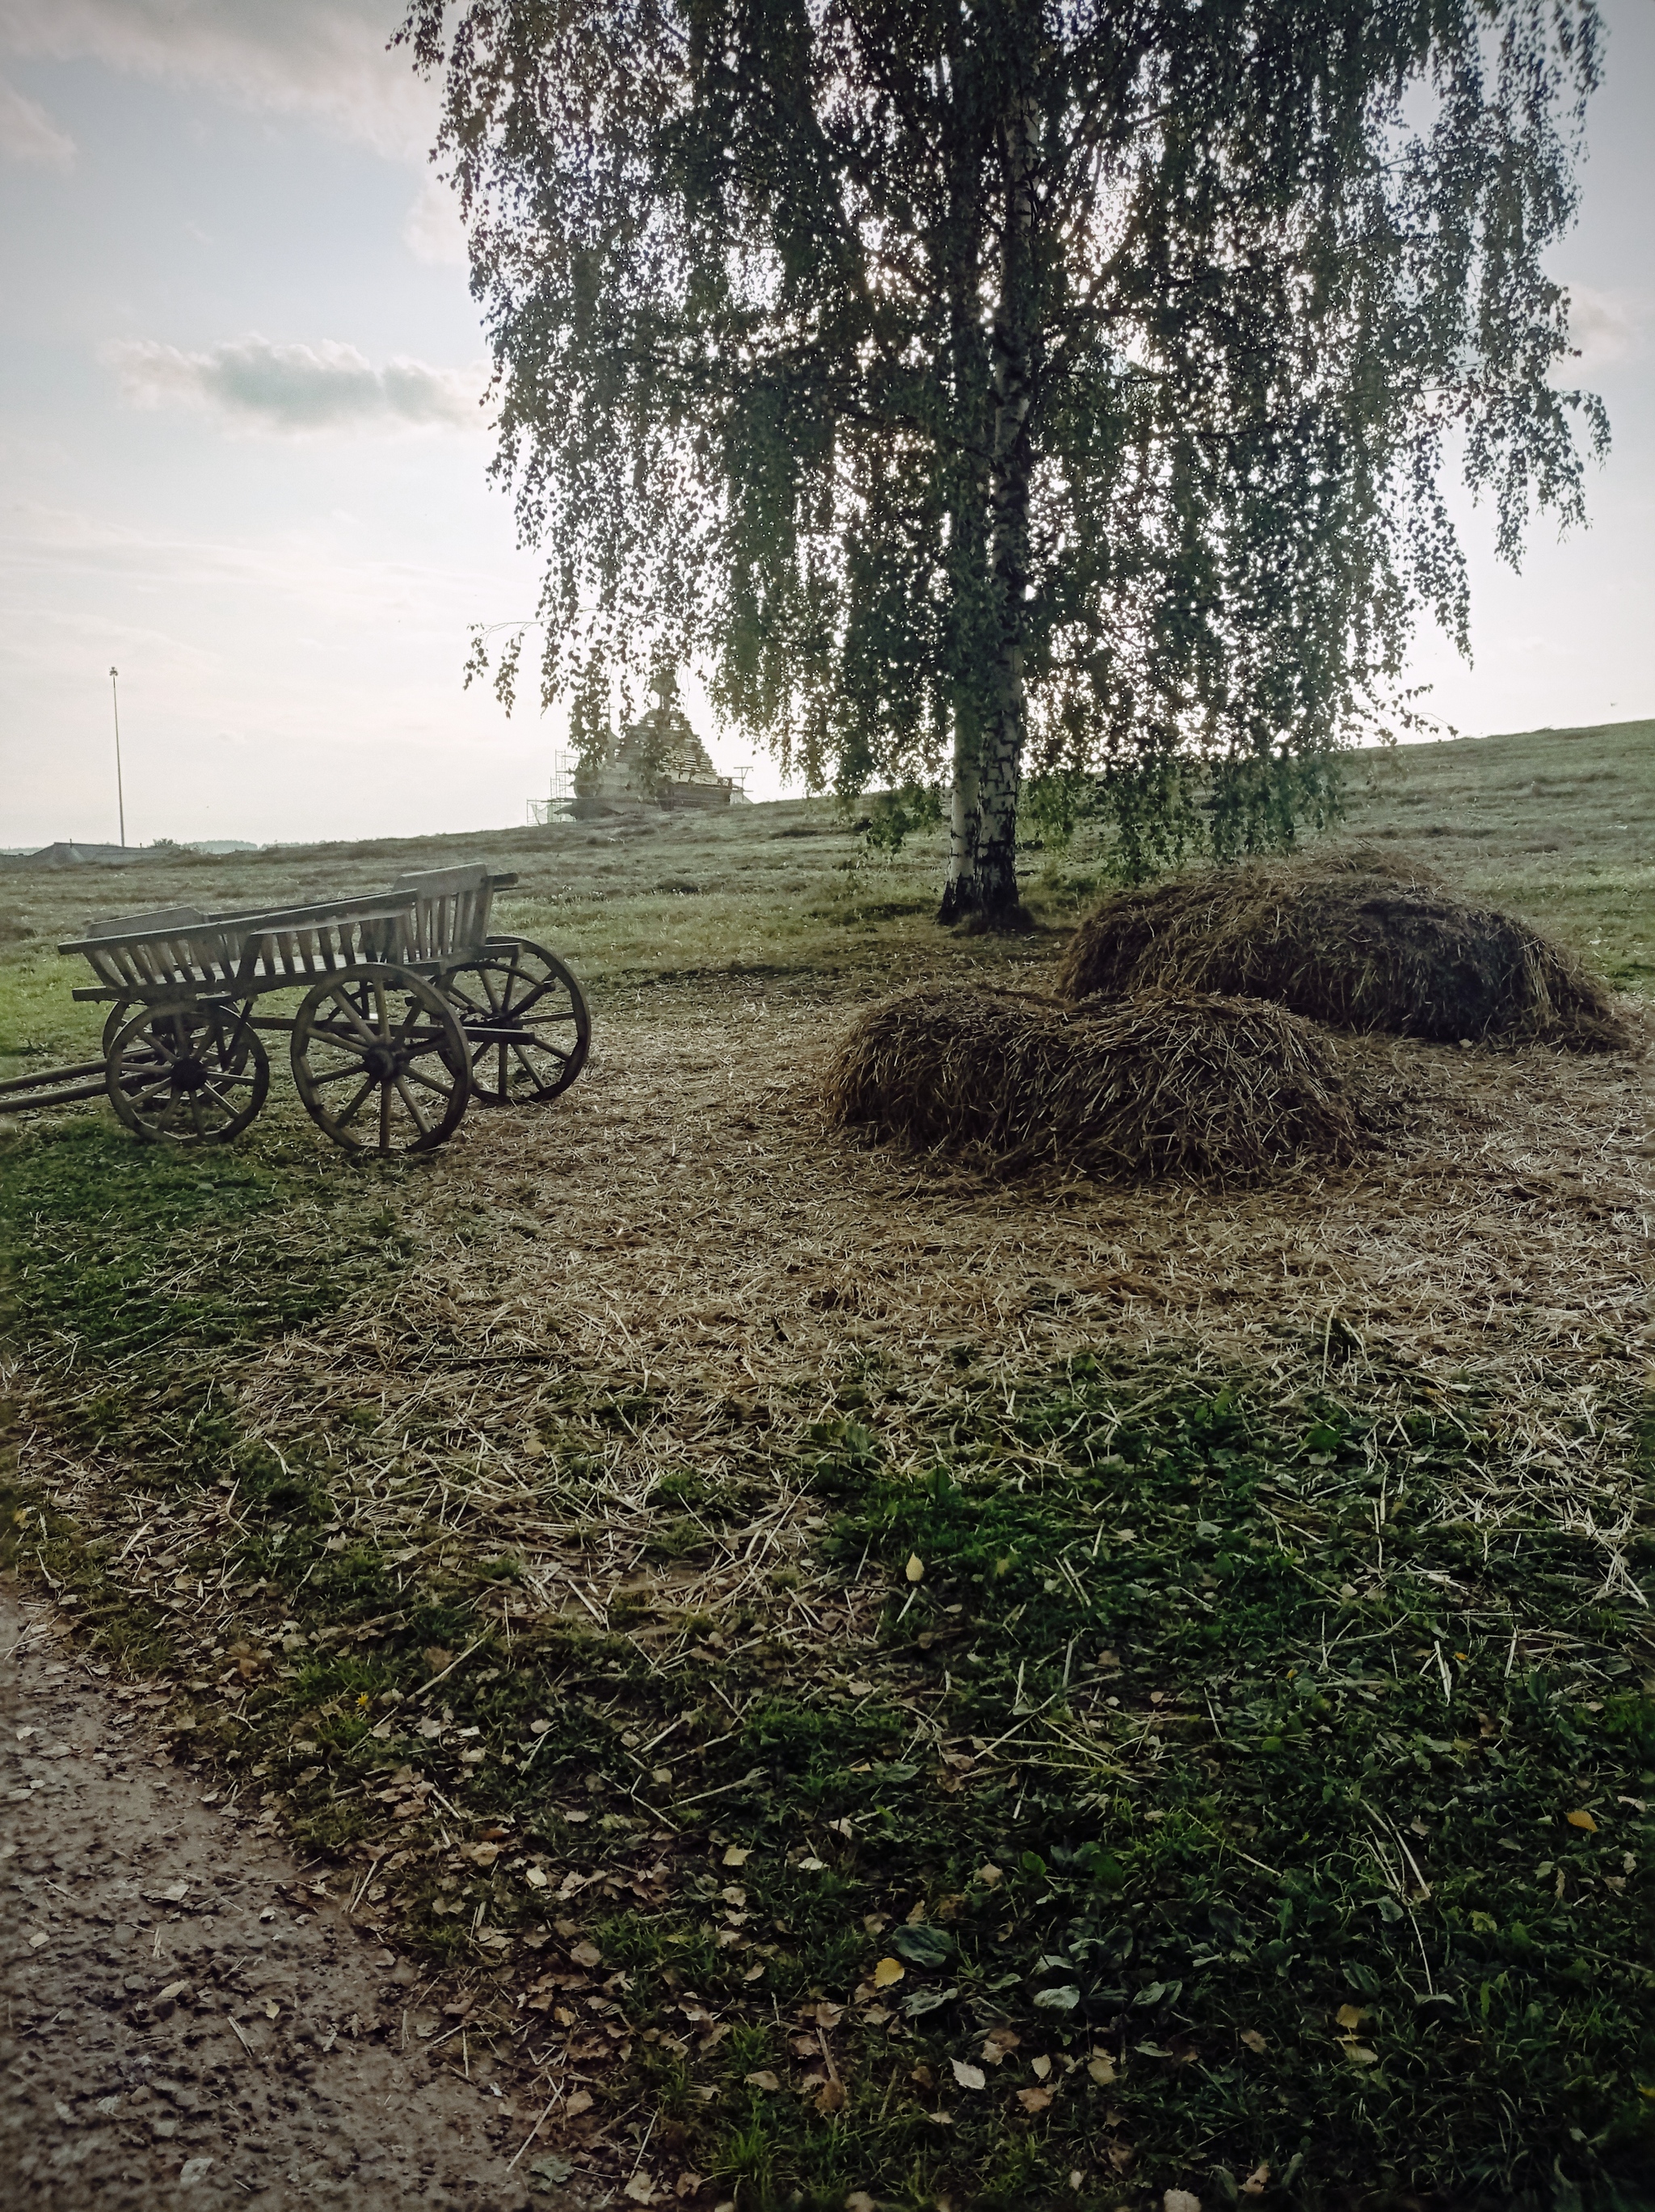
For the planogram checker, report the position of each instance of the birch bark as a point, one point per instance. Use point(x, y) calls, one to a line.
point(1001, 768)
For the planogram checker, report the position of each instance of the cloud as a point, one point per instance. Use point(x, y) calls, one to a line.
point(28, 134)
point(324, 60)
point(432, 230)
point(1602, 326)
point(259, 385)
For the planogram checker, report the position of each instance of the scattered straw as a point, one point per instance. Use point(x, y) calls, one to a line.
point(1350, 938)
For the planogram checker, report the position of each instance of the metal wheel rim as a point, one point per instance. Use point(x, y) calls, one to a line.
point(399, 1070)
point(502, 987)
point(191, 1076)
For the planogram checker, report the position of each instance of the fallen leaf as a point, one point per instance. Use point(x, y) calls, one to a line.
point(915, 1570)
point(969, 2077)
point(1349, 2015)
point(579, 2103)
point(687, 2185)
point(586, 1953)
point(1041, 2068)
point(272, 2010)
point(887, 1972)
point(640, 2189)
point(1254, 2040)
point(1180, 2200)
point(1359, 2053)
point(1582, 1820)
point(762, 2078)
point(554, 2168)
point(1034, 2101)
point(173, 1991)
point(859, 2201)
point(535, 1877)
point(192, 2171)
point(831, 2097)
point(989, 1876)
point(1101, 2067)
point(1257, 2181)
point(735, 1857)
point(1000, 2041)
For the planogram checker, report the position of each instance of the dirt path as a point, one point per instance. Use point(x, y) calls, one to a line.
point(185, 2023)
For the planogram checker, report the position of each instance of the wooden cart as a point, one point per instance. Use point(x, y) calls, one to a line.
point(408, 1010)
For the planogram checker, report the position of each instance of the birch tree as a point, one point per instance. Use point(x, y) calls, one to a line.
point(981, 387)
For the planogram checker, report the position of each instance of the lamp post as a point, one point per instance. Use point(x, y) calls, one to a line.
point(121, 793)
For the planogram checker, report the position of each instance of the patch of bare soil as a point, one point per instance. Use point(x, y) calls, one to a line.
point(190, 2020)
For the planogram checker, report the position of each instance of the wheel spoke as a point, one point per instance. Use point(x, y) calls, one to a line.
point(385, 1117)
point(337, 1074)
point(537, 989)
point(411, 1103)
point(442, 1089)
point(341, 999)
point(351, 1110)
point(528, 1067)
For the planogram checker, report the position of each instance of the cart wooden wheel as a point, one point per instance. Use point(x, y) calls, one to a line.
point(527, 1029)
point(191, 1075)
point(380, 1060)
point(119, 1016)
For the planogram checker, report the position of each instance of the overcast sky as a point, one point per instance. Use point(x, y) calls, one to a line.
point(240, 457)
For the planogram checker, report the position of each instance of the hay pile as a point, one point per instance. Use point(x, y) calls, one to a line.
point(1344, 938)
point(1232, 1090)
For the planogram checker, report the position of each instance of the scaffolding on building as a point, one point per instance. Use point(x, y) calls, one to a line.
point(557, 803)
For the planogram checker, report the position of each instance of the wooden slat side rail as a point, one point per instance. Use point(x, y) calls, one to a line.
point(451, 909)
point(141, 925)
point(284, 956)
point(141, 962)
point(270, 917)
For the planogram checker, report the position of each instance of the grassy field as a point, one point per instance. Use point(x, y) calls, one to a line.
point(879, 1685)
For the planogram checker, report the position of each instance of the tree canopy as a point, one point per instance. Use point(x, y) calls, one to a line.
point(981, 387)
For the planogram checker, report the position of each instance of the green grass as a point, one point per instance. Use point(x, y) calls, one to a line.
point(1217, 1741)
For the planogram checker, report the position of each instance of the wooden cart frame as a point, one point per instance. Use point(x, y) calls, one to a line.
point(410, 1009)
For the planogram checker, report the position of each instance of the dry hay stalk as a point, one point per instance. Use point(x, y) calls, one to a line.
point(1344, 937)
point(1221, 1088)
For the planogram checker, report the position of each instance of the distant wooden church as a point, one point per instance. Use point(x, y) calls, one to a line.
point(657, 760)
